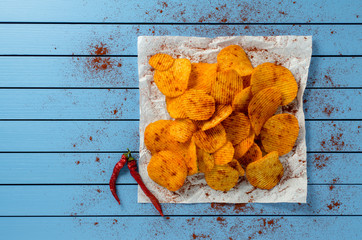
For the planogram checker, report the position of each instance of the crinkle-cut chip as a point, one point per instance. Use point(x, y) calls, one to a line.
point(205, 160)
point(266, 172)
point(279, 133)
point(236, 165)
point(234, 57)
point(202, 75)
point(244, 145)
point(222, 177)
point(168, 169)
point(198, 105)
point(224, 154)
point(210, 140)
point(161, 61)
point(173, 82)
point(225, 86)
point(182, 129)
point(221, 113)
point(269, 75)
point(253, 154)
point(241, 100)
point(237, 127)
point(157, 136)
point(246, 81)
point(262, 106)
point(173, 107)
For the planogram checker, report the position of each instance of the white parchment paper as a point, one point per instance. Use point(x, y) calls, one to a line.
point(293, 52)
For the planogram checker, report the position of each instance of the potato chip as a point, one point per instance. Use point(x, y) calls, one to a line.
point(237, 127)
point(161, 61)
point(279, 133)
point(202, 75)
point(266, 172)
point(246, 81)
point(224, 154)
point(212, 139)
point(244, 145)
point(253, 154)
point(236, 165)
point(168, 169)
point(173, 107)
point(221, 112)
point(205, 160)
point(241, 100)
point(262, 106)
point(173, 82)
point(157, 136)
point(222, 177)
point(188, 152)
point(198, 105)
point(182, 129)
point(225, 86)
point(269, 75)
point(234, 57)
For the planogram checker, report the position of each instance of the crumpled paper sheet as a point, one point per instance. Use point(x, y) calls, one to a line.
point(293, 52)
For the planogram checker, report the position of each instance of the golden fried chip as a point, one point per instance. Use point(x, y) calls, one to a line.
point(234, 57)
point(262, 106)
point(246, 81)
point(182, 129)
point(168, 169)
point(205, 160)
point(157, 136)
point(202, 75)
point(237, 127)
point(224, 154)
point(161, 61)
point(244, 145)
point(269, 75)
point(222, 177)
point(198, 105)
point(225, 86)
point(266, 172)
point(221, 112)
point(173, 82)
point(241, 100)
point(188, 151)
point(212, 139)
point(173, 107)
point(253, 154)
point(236, 165)
point(279, 133)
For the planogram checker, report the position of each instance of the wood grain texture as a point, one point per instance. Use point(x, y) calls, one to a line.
point(96, 168)
point(202, 11)
point(70, 72)
point(124, 104)
point(60, 39)
point(288, 227)
point(98, 200)
point(108, 136)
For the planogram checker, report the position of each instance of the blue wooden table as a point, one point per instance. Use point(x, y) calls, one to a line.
point(64, 123)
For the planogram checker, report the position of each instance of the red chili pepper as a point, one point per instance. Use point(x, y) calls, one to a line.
point(112, 182)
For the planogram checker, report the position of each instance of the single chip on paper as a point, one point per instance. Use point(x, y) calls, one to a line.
point(210, 58)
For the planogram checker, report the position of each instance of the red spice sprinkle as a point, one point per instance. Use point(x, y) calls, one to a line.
point(97, 159)
point(333, 205)
point(260, 232)
point(331, 187)
point(115, 221)
point(115, 111)
point(332, 32)
point(74, 145)
point(224, 20)
point(321, 161)
point(98, 190)
point(96, 223)
point(77, 162)
point(246, 27)
point(167, 217)
point(90, 138)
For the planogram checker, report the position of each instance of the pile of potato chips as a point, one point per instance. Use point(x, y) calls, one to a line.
point(224, 124)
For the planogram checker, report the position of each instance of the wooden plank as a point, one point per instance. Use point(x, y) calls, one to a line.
point(96, 168)
point(60, 39)
point(124, 104)
point(335, 227)
point(59, 136)
point(332, 11)
point(79, 72)
point(97, 200)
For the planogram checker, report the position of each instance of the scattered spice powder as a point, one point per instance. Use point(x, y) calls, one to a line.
point(96, 223)
point(321, 161)
point(97, 159)
point(334, 204)
point(90, 138)
point(77, 162)
point(98, 190)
